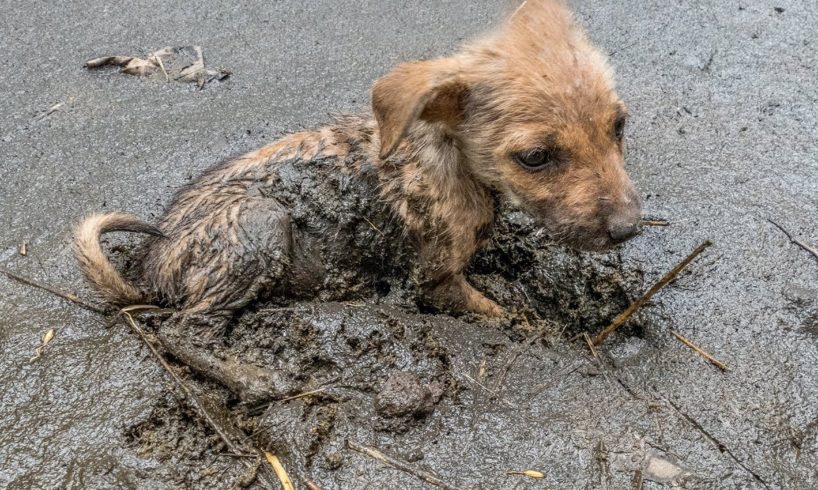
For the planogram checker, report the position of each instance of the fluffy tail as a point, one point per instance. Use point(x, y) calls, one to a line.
point(104, 278)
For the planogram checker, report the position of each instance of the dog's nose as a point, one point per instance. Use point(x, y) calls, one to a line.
point(622, 230)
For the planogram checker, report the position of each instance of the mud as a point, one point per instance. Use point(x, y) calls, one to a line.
point(373, 369)
point(722, 137)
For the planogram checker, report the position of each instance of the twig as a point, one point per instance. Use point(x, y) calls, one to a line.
point(423, 475)
point(23, 249)
point(373, 226)
point(488, 390)
point(504, 373)
point(700, 351)
point(50, 111)
point(664, 281)
point(56, 292)
point(592, 347)
point(311, 485)
point(281, 473)
point(305, 394)
point(804, 245)
point(236, 455)
point(655, 222)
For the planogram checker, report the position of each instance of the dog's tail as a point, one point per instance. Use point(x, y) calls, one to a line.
point(98, 270)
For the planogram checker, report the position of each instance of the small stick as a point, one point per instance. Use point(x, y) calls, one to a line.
point(23, 248)
point(311, 485)
point(50, 111)
point(56, 292)
point(655, 222)
point(592, 347)
point(804, 245)
point(281, 473)
point(504, 373)
point(488, 390)
point(404, 466)
point(700, 351)
point(305, 394)
point(373, 226)
point(664, 281)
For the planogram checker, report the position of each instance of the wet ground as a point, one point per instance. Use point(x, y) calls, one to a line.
point(723, 137)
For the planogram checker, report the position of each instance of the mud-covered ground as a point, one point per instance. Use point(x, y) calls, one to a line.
point(723, 136)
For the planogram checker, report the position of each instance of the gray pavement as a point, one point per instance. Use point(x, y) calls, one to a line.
point(724, 135)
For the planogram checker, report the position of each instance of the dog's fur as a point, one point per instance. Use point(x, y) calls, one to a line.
point(448, 138)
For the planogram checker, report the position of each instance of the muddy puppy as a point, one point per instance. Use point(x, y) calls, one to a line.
point(528, 114)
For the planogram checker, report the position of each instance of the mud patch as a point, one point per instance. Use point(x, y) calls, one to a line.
point(368, 371)
point(179, 450)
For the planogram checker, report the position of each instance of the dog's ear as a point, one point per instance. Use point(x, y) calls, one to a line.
point(428, 90)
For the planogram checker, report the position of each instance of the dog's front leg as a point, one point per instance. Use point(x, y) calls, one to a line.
point(457, 295)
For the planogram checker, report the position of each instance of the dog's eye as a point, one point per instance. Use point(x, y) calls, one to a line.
point(535, 159)
point(619, 127)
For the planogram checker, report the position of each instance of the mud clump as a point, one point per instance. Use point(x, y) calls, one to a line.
point(528, 274)
point(404, 394)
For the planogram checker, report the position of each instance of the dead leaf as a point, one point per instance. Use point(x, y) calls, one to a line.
point(184, 64)
point(38, 352)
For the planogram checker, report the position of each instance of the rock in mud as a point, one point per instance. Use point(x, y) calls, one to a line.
point(404, 394)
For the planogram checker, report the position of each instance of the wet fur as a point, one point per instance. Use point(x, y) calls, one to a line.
point(429, 167)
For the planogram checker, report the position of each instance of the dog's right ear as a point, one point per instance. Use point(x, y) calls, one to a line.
point(429, 90)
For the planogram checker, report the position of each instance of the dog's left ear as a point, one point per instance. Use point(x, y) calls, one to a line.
point(428, 90)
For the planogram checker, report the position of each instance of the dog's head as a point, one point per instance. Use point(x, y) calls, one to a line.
point(534, 115)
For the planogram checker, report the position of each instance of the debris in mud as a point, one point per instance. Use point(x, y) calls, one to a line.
point(404, 466)
point(56, 107)
point(700, 351)
point(804, 245)
point(537, 475)
point(654, 222)
point(404, 394)
point(73, 298)
point(664, 281)
point(281, 473)
point(216, 418)
point(183, 64)
point(38, 352)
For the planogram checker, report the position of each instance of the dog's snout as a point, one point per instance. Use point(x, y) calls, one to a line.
point(622, 230)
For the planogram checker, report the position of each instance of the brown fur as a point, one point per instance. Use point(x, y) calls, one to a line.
point(444, 144)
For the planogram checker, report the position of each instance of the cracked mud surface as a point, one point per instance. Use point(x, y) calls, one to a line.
point(723, 137)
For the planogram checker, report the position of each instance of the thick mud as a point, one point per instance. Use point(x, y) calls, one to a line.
point(378, 367)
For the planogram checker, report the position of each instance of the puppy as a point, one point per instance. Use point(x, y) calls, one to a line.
point(528, 114)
